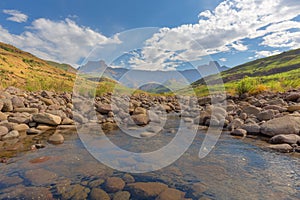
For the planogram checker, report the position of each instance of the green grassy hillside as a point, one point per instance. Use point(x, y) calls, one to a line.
point(26, 71)
point(276, 73)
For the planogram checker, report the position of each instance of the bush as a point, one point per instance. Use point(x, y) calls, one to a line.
point(245, 85)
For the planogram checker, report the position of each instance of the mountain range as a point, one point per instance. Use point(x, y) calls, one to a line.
point(143, 79)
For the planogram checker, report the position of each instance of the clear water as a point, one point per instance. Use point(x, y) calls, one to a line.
point(235, 169)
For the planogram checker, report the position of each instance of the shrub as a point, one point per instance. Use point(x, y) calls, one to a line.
point(245, 85)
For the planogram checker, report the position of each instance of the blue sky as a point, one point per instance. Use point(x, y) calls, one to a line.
point(230, 31)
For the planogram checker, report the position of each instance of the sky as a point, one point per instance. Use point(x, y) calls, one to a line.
point(229, 31)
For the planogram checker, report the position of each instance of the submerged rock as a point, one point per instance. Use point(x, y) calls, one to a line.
point(147, 190)
point(114, 184)
point(56, 139)
point(98, 194)
point(171, 194)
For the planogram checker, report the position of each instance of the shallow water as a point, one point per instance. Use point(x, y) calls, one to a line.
point(235, 169)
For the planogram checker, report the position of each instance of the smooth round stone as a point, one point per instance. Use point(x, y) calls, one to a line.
point(97, 194)
point(56, 139)
point(114, 184)
point(122, 195)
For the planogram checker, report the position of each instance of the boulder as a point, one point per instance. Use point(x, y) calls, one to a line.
point(96, 183)
point(236, 123)
point(239, 132)
point(266, 115)
point(293, 97)
point(21, 127)
point(147, 190)
point(98, 194)
point(284, 148)
point(3, 131)
point(251, 110)
point(33, 131)
point(114, 184)
point(27, 110)
point(251, 128)
point(139, 110)
point(11, 135)
point(56, 139)
point(140, 119)
point(122, 195)
point(3, 116)
point(47, 94)
point(275, 107)
point(293, 108)
point(282, 125)
point(171, 194)
point(47, 118)
point(289, 139)
point(104, 108)
point(128, 178)
point(7, 105)
point(17, 102)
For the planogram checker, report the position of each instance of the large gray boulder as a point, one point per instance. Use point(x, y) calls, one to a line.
point(283, 125)
point(47, 118)
point(289, 139)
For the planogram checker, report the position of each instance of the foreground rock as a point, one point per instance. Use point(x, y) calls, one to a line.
point(46, 118)
point(282, 125)
point(98, 194)
point(284, 148)
point(171, 194)
point(288, 139)
point(146, 190)
point(114, 184)
point(56, 139)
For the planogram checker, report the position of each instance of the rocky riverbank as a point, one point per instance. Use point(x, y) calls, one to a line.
point(26, 116)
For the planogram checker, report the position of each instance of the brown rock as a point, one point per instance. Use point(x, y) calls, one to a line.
point(266, 115)
point(46, 118)
point(3, 116)
point(56, 139)
point(147, 190)
point(282, 125)
point(3, 131)
point(239, 132)
point(11, 135)
point(293, 108)
point(139, 110)
point(39, 177)
point(140, 119)
point(251, 128)
point(114, 184)
point(17, 102)
point(293, 97)
point(98, 194)
point(251, 110)
point(122, 195)
point(171, 194)
point(27, 110)
point(7, 105)
point(289, 139)
point(21, 127)
point(128, 178)
point(104, 108)
point(284, 148)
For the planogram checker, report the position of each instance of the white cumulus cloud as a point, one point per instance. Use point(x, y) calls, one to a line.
point(16, 16)
point(226, 28)
point(62, 41)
